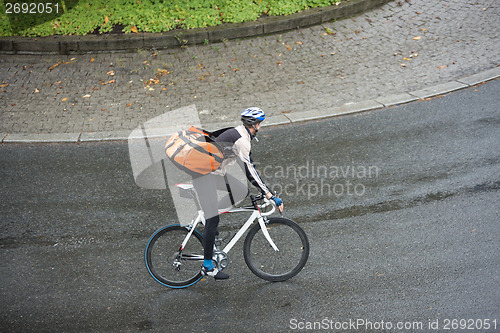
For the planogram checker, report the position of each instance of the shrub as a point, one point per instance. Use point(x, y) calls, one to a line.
point(102, 16)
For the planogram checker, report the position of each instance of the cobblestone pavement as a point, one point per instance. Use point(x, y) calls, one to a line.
point(402, 46)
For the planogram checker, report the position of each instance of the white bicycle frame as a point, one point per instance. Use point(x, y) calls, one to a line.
point(256, 214)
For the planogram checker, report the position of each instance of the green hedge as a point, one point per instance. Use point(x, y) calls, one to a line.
point(102, 16)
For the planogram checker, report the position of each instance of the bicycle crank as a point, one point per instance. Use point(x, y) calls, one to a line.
point(221, 260)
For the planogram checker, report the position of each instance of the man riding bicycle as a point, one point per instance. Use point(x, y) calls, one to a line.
point(237, 141)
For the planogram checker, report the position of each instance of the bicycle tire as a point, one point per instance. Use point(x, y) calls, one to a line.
point(270, 265)
point(161, 252)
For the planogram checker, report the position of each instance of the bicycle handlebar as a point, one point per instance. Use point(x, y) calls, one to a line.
point(266, 203)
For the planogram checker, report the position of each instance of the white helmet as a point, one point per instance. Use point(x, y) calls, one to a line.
point(252, 116)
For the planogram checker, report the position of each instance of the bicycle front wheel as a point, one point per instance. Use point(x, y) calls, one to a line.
point(272, 265)
point(167, 265)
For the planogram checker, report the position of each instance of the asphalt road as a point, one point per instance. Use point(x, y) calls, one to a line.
point(410, 236)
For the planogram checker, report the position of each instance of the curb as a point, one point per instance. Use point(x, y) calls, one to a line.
point(181, 38)
point(348, 108)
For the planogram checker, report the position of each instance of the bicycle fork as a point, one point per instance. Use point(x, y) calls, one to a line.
point(263, 227)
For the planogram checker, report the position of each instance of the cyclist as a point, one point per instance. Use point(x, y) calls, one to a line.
point(236, 141)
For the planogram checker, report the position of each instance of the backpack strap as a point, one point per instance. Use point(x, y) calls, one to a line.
point(199, 148)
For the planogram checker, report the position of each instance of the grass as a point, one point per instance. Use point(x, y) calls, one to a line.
point(72, 17)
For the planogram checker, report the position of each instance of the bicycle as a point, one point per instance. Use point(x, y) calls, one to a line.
point(275, 249)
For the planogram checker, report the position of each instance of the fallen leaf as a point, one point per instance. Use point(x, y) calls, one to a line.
point(134, 29)
point(329, 31)
point(54, 66)
point(106, 20)
point(110, 73)
point(57, 82)
point(129, 104)
point(288, 47)
point(64, 99)
point(406, 59)
point(423, 29)
point(403, 65)
point(441, 67)
point(13, 104)
point(236, 69)
point(37, 91)
point(92, 60)
point(86, 96)
point(300, 43)
point(417, 38)
point(103, 109)
point(110, 81)
point(4, 85)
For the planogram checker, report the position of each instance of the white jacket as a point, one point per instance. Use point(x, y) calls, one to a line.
point(236, 143)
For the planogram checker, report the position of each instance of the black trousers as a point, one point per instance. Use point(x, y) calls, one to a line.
point(206, 187)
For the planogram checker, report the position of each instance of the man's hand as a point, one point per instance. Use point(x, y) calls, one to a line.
point(277, 201)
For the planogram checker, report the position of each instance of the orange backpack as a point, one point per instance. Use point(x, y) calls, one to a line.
point(194, 151)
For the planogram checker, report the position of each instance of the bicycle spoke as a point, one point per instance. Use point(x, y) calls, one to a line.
point(280, 265)
point(163, 259)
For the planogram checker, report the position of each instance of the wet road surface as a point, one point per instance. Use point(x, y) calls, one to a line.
point(400, 205)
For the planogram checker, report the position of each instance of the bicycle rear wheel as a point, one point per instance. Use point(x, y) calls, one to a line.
point(164, 262)
point(269, 264)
